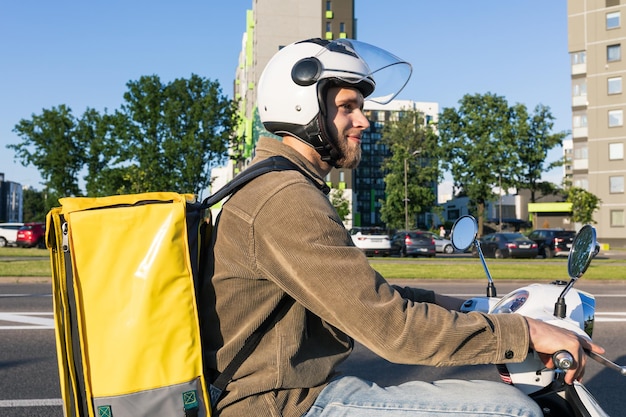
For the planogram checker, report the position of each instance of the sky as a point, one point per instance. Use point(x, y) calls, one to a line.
point(82, 54)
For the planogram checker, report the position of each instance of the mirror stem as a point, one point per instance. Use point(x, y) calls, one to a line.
point(491, 288)
point(560, 308)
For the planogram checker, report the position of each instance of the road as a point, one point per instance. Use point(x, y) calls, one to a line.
point(29, 383)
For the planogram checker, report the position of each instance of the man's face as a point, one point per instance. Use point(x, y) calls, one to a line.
point(346, 122)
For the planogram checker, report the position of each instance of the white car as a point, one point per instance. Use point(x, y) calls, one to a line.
point(371, 240)
point(8, 233)
point(441, 245)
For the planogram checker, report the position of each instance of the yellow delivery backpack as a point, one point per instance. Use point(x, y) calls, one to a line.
point(126, 274)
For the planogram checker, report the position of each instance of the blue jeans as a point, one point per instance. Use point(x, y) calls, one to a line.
point(351, 396)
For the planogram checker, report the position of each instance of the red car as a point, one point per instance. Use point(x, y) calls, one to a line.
point(31, 235)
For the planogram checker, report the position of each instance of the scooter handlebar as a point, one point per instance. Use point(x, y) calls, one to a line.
point(563, 360)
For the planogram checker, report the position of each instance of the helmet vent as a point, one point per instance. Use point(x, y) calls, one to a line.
point(306, 71)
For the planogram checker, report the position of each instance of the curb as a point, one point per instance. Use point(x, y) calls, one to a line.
point(25, 280)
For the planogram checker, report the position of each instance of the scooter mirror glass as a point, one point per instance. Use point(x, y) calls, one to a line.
point(582, 252)
point(464, 232)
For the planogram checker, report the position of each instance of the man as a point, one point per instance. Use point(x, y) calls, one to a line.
point(280, 237)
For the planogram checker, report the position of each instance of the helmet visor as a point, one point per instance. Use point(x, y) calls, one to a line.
point(388, 72)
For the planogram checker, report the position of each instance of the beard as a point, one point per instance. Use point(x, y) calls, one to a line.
point(350, 153)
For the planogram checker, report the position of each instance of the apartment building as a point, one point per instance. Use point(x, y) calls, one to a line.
point(369, 184)
point(596, 43)
point(271, 25)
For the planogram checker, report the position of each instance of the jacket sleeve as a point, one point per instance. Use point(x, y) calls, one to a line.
point(307, 251)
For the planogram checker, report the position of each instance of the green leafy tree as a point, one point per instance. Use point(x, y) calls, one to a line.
point(341, 204)
point(477, 144)
point(584, 204)
point(534, 137)
point(49, 142)
point(173, 134)
point(166, 137)
point(412, 163)
point(35, 205)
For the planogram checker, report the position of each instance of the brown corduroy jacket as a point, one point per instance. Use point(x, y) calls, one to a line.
point(280, 234)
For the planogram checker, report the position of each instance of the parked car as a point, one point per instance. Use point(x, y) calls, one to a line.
point(371, 240)
point(553, 242)
point(413, 243)
point(441, 245)
point(31, 235)
point(507, 245)
point(8, 233)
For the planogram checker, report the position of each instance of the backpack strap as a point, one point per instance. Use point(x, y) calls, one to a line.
point(274, 163)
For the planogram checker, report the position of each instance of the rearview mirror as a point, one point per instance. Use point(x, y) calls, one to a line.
point(464, 232)
point(584, 248)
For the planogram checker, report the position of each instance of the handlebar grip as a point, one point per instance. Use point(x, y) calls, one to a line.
point(563, 360)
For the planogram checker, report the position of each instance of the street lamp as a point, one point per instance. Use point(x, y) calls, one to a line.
point(406, 191)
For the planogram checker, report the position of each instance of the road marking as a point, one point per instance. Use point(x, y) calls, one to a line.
point(31, 403)
point(33, 321)
point(611, 317)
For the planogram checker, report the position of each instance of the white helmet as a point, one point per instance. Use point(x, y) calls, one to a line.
point(292, 88)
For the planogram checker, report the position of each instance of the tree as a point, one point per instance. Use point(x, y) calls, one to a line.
point(50, 143)
point(411, 143)
point(534, 140)
point(477, 144)
point(341, 204)
point(166, 137)
point(584, 204)
point(174, 134)
point(35, 205)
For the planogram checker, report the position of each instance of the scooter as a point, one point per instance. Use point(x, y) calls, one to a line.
point(574, 310)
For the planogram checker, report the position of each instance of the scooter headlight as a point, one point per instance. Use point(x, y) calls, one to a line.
point(511, 303)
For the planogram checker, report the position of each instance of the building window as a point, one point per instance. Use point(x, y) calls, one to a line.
point(616, 185)
point(582, 183)
point(616, 118)
point(613, 53)
point(581, 153)
point(579, 57)
point(617, 218)
point(579, 87)
point(579, 120)
point(616, 151)
point(614, 85)
point(612, 20)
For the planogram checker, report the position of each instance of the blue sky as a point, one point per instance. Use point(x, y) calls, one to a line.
point(82, 54)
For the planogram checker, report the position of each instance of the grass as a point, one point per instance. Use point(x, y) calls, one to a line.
point(516, 269)
point(14, 262)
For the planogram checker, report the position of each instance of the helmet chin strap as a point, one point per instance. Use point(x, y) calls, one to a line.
point(318, 137)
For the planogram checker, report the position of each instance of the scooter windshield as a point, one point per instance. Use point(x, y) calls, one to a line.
point(389, 73)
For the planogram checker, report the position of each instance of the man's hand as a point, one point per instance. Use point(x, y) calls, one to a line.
point(547, 339)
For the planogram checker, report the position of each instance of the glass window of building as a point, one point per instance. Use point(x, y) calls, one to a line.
point(613, 53)
point(616, 184)
point(617, 218)
point(616, 118)
point(578, 57)
point(616, 151)
point(614, 85)
point(582, 183)
point(612, 20)
point(579, 87)
point(579, 119)
point(581, 153)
